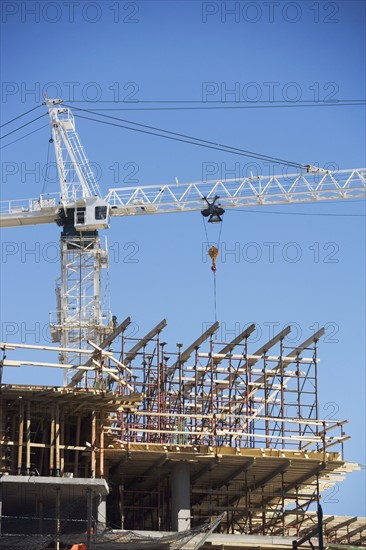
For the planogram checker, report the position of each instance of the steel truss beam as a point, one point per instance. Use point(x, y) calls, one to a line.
point(187, 197)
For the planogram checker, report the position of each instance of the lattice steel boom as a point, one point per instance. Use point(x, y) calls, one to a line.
point(187, 197)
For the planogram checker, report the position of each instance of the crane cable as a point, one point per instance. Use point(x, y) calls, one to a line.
point(201, 142)
point(213, 252)
point(20, 116)
point(228, 107)
point(23, 126)
point(244, 154)
point(25, 135)
point(45, 179)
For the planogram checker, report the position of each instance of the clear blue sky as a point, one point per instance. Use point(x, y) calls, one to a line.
point(180, 51)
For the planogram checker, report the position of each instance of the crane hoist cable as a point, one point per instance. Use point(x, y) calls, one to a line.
point(214, 213)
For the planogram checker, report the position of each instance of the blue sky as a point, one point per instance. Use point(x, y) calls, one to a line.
point(180, 51)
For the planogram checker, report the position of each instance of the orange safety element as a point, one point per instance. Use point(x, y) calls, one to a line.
point(213, 252)
point(78, 547)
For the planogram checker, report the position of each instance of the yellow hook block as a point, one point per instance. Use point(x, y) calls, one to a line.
point(213, 252)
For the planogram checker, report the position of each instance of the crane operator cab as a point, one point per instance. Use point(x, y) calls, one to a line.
point(91, 213)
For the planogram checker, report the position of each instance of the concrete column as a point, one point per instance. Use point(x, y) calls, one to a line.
point(102, 513)
point(89, 517)
point(1, 507)
point(181, 497)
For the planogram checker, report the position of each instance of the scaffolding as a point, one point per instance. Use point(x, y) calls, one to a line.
point(243, 424)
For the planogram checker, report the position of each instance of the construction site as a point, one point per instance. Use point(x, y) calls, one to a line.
point(148, 444)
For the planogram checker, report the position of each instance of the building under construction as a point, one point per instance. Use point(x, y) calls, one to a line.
point(154, 440)
point(149, 445)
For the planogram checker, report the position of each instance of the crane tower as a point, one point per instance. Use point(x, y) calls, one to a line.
point(79, 316)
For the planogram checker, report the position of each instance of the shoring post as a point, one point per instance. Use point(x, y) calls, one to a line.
point(28, 438)
point(13, 448)
point(247, 389)
point(45, 430)
point(58, 513)
point(180, 392)
point(247, 501)
point(62, 439)
point(320, 526)
point(283, 503)
point(77, 440)
point(52, 440)
point(196, 393)
point(212, 389)
point(101, 443)
point(229, 441)
point(227, 505)
point(297, 512)
point(145, 435)
point(163, 389)
point(89, 516)
point(324, 434)
point(93, 443)
point(57, 440)
point(20, 436)
point(282, 392)
point(298, 398)
point(122, 503)
point(266, 392)
point(159, 384)
point(123, 346)
point(159, 501)
point(315, 357)
point(250, 514)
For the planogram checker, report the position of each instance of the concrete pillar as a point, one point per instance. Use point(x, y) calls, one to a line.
point(102, 513)
point(1, 507)
point(89, 517)
point(181, 497)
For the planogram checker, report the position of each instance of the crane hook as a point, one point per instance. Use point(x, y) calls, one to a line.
point(213, 252)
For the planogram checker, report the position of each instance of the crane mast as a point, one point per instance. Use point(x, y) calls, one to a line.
point(79, 316)
point(81, 212)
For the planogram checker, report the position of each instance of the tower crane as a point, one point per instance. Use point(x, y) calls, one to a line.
point(81, 210)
